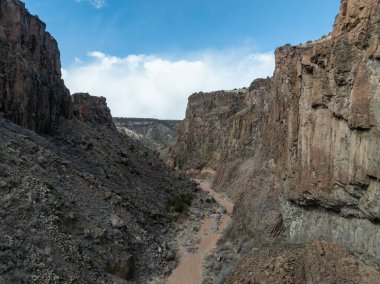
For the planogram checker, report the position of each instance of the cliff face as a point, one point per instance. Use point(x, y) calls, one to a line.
point(32, 92)
point(212, 125)
point(303, 159)
point(91, 109)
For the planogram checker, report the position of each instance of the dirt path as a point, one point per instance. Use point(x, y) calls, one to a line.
point(189, 269)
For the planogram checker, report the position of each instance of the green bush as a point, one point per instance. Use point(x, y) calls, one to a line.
point(179, 204)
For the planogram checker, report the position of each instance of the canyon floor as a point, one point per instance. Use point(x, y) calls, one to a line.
point(197, 239)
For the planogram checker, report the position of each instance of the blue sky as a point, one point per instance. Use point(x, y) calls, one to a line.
point(115, 38)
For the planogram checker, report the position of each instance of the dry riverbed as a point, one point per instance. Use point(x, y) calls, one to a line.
point(198, 238)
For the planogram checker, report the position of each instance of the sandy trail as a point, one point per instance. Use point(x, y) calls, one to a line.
point(189, 269)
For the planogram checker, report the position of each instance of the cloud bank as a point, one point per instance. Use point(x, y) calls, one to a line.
point(96, 3)
point(156, 87)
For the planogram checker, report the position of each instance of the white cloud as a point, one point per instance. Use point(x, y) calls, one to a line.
point(152, 86)
point(96, 3)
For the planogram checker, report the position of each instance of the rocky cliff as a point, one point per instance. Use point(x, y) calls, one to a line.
point(201, 138)
point(92, 110)
point(32, 92)
point(301, 157)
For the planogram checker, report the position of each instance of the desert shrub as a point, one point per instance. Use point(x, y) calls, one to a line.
point(49, 185)
point(179, 204)
point(200, 166)
point(210, 200)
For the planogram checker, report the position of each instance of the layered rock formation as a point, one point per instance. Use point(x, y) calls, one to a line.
point(302, 157)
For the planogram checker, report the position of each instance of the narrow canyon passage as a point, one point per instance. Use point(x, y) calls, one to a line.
point(189, 269)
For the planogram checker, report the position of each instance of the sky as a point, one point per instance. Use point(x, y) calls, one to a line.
point(148, 56)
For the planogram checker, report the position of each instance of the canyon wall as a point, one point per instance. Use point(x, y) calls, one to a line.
point(300, 152)
point(32, 92)
point(202, 138)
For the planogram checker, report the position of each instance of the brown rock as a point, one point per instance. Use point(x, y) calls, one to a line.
point(91, 109)
point(32, 92)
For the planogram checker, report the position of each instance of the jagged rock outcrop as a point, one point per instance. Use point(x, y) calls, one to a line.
point(304, 160)
point(91, 109)
point(32, 93)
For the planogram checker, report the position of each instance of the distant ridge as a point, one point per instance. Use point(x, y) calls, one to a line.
point(153, 133)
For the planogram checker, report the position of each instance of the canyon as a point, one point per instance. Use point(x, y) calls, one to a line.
point(87, 198)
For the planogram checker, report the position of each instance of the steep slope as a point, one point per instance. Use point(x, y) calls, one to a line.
point(302, 161)
point(86, 204)
point(83, 203)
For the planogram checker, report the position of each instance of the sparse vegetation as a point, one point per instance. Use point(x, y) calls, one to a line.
point(179, 204)
point(49, 185)
point(210, 200)
point(200, 166)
